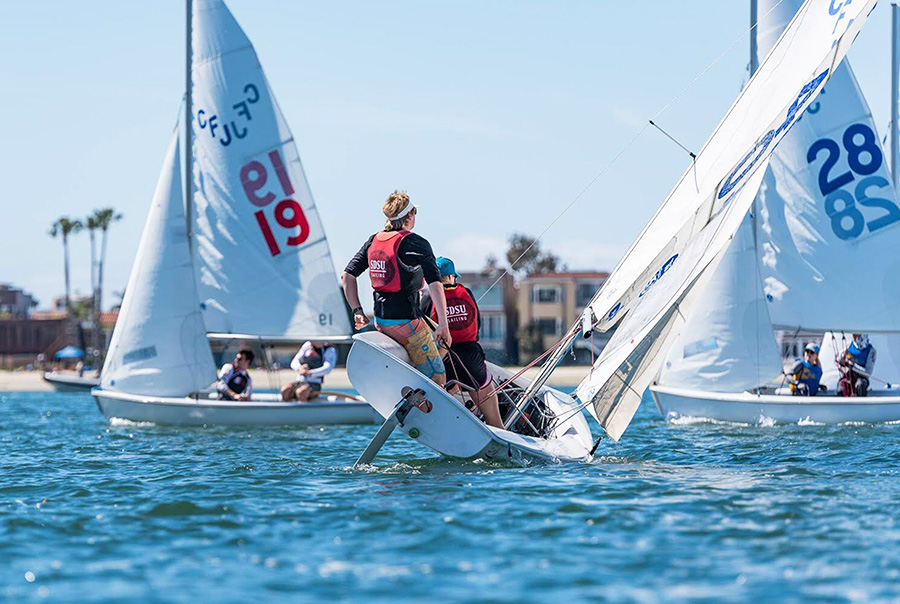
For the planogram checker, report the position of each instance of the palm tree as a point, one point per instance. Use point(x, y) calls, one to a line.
point(105, 217)
point(65, 226)
point(93, 224)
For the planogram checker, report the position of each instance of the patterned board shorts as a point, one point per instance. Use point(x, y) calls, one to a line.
point(418, 339)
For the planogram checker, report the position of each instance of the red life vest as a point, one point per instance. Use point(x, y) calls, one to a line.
point(462, 314)
point(384, 265)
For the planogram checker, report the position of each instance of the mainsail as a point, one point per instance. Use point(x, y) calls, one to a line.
point(661, 275)
point(803, 253)
point(264, 267)
point(159, 345)
point(827, 212)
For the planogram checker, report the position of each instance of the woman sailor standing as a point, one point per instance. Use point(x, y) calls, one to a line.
point(397, 260)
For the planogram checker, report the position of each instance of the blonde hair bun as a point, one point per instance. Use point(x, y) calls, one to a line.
point(395, 204)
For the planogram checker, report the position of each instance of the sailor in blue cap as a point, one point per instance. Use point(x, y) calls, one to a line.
point(807, 373)
point(464, 360)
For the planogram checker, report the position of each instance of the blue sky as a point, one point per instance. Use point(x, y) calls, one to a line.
point(493, 115)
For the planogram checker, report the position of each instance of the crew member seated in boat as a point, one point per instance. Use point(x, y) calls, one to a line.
point(856, 365)
point(397, 260)
point(806, 374)
point(234, 381)
point(464, 360)
point(312, 363)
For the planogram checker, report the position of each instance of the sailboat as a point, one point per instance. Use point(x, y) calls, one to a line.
point(64, 382)
point(240, 254)
point(820, 252)
point(657, 281)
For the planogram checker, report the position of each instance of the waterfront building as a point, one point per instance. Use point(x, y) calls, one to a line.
point(551, 302)
point(15, 303)
point(25, 333)
point(496, 296)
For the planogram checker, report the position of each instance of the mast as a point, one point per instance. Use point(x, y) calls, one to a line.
point(895, 92)
point(188, 125)
point(754, 49)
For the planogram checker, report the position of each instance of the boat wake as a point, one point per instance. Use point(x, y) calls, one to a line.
point(675, 419)
point(121, 422)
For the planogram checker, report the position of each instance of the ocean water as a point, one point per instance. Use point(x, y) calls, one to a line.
point(696, 511)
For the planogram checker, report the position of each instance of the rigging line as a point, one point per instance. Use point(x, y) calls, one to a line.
point(627, 146)
point(566, 209)
point(584, 405)
point(674, 140)
point(760, 301)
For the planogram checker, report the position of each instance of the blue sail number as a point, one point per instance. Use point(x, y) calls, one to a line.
point(864, 157)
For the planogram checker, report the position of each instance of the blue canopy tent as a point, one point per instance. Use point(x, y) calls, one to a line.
point(69, 352)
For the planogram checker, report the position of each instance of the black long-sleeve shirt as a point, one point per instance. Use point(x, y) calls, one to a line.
point(415, 252)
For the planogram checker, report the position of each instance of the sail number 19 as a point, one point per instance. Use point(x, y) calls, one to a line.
point(287, 213)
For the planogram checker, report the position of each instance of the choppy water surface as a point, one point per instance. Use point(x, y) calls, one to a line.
point(93, 511)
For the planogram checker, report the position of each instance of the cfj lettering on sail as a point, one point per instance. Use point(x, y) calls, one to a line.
point(226, 131)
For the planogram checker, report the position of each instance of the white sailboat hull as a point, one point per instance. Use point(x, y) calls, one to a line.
point(378, 369)
point(70, 383)
point(749, 408)
point(205, 412)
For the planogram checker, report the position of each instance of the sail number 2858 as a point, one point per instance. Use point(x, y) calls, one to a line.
point(864, 157)
point(287, 213)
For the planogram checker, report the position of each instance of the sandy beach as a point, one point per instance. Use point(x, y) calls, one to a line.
point(32, 381)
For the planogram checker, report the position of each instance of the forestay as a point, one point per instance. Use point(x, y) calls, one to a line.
point(774, 98)
point(727, 344)
point(654, 282)
point(828, 214)
point(264, 267)
point(159, 345)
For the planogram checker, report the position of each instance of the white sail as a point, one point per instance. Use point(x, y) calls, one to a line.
point(263, 261)
point(692, 228)
point(768, 107)
point(632, 358)
point(828, 214)
point(727, 344)
point(159, 345)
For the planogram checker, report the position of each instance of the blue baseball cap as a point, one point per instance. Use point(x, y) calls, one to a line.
point(812, 347)
point(446, 267)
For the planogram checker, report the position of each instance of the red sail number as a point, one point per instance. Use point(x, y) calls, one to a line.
point(288, 213)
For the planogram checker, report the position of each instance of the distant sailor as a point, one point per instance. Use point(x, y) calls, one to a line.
point(806, 375)
point(856, 365)
point(234, 381)
point(465, 361)
point(397, 260)
point(312, 363)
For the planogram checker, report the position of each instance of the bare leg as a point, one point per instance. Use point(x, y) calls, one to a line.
point(303, 393)
point(287, 392)
point(490, 406)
